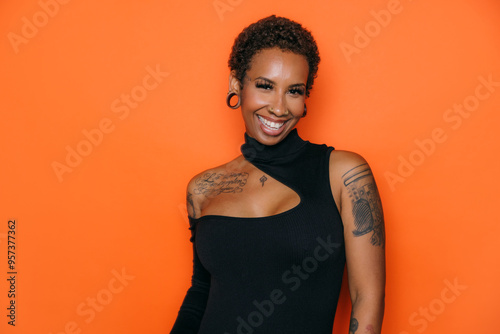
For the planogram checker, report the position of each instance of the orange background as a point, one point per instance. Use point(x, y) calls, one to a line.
point(120, 208)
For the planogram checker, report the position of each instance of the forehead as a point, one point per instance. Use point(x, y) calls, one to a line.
point(275, 63)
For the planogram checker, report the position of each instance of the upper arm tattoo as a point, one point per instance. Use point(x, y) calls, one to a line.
point(366, 205)
point(190, 203)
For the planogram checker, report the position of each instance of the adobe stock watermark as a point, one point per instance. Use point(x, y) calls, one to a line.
point(454, 118)
point(31, 27)
point(223, 6)
point(293, 279)
point(121, 107)
point(372, 29)
point(96, 303)
point(421, 318)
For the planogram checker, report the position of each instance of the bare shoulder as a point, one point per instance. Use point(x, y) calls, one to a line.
point(343, 163)
point(234, 166)
point(210, 182)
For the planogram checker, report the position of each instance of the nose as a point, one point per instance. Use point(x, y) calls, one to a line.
point(278, 105)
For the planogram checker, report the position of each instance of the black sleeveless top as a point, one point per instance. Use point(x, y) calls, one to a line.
point(275, 274)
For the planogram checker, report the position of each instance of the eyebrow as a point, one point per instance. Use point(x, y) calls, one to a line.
point(269, 80)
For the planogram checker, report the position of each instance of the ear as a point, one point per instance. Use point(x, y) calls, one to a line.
point(234, 83)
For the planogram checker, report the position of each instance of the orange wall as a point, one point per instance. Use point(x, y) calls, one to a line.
point(386, 90)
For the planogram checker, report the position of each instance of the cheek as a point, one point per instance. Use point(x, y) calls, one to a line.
point(296, 105)
point(252, 98)
point(297, 100)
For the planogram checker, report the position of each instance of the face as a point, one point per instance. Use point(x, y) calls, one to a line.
point(273, 94)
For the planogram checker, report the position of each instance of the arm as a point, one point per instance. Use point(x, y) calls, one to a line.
point(364, 235)
point(193, 307)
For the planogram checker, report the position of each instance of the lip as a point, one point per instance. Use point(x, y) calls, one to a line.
point(269, 131)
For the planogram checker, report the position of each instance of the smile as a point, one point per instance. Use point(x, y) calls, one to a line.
point(271, 125)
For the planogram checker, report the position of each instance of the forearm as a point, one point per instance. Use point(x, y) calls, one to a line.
point(192, 309)
point(367, 315)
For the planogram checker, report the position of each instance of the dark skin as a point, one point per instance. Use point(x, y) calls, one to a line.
point(274, 91)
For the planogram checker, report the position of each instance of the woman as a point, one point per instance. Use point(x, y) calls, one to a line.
point(273, 229)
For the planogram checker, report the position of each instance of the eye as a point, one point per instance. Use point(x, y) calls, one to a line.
point(263, 85)
point(297, 91)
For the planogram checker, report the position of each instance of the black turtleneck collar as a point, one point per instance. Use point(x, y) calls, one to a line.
point(252, 150)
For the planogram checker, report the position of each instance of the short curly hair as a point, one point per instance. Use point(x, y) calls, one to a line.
point(274, 31)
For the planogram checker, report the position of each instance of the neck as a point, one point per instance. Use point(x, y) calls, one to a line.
point(253, 150)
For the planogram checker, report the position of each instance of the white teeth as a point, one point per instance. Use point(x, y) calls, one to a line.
point(271, 125)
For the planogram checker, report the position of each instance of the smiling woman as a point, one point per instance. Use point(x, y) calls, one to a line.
point(272, 101)
point(273, 229)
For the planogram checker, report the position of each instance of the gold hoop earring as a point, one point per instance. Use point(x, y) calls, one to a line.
point(228, 100)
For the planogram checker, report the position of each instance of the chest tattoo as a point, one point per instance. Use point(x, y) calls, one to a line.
point(263, 179)
point(213, 184)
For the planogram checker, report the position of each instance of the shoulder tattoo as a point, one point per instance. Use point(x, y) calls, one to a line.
point(213, 184)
